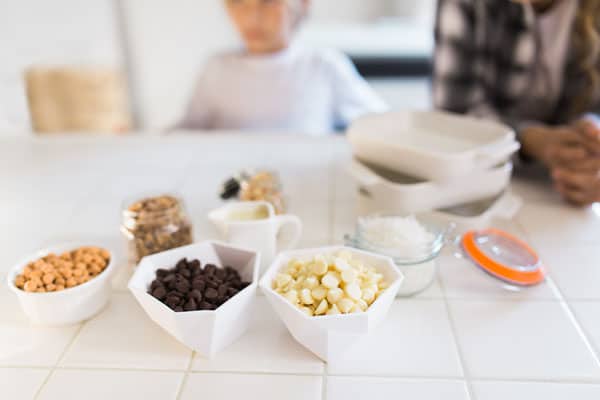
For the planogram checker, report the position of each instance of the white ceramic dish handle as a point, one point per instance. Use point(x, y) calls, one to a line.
point(289, 231)
point(363, 174)
point(498, 151)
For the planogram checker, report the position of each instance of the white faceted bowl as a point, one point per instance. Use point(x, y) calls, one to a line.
point(329, 336)
point(205, 331)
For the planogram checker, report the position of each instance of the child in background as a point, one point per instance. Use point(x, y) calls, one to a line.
point(275, 84)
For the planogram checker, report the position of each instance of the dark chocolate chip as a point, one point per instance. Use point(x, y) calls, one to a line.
point(160, 293)
point(199, 284)
point(205, 306)
point(169, 278)
point(211, 294)
point(178, 309)
point(186, 273)
point(162, 272)
point(196, 295)
point(181, 264)
point(210, 269)
point(194, 264)
point(231, 291)
point(222, 290)
point(212, 284)
point(182, 286)
point(220, 273)
point(190, 305)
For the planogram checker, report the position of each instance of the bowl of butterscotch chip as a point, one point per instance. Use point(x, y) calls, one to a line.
point(63, 284)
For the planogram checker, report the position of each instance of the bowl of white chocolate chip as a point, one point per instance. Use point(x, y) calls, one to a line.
point(330, 297)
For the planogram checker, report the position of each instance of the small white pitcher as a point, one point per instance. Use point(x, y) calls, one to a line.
point(254, 225)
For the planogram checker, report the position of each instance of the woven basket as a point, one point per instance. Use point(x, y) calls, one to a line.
point(73, 99)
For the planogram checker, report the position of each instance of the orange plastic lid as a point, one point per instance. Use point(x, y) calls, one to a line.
point(503, 256)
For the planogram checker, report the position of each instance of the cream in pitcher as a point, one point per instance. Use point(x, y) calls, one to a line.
point(254, 224)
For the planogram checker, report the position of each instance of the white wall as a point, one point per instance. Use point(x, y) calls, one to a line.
point(49, 32)
point(169, 42)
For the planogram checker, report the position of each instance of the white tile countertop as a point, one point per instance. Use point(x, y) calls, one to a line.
point(464, 338)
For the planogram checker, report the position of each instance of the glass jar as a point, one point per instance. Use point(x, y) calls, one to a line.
point(155, 224)
point(417, 261)
point(261, 185)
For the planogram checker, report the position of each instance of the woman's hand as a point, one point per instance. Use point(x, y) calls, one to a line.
point(554, 146)
point(572, 154)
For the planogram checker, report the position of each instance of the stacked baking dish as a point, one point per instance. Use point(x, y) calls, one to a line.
point(415, 162)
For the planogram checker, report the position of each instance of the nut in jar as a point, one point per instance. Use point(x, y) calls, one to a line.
point(260, 185)
point(155, 224)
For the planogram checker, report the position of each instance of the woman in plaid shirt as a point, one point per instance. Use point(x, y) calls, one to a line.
point(534, 64)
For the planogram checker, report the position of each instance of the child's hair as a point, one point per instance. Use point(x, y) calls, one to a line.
point(586, 41)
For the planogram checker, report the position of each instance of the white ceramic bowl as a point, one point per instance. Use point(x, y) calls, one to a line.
point(206, 331)
point(329, 336)
point(67, 306)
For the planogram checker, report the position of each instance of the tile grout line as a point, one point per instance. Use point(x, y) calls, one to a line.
point(58, 361)
point(461, 356)
point(566, 305)
point(324, 380)
point(185, 376)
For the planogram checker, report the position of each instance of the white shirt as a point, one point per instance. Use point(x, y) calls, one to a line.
point(300, 90)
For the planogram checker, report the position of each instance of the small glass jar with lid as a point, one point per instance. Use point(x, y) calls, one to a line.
point(413, 244)
point(155, 224)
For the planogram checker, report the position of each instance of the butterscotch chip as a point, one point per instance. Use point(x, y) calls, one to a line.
point(66, 272)
point(30, 286)
point(20, 281)
point(36, 274)
point(71, 282)
point(105, 254)
point(48, 278)
point(37, 281)
point(57, 272)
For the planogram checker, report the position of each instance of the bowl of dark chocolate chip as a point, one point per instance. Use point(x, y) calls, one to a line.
point(202, 294)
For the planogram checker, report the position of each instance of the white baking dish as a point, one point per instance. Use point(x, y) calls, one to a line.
point(431, 145)
point(383, 191)
point(480, 214)
point(67, 306)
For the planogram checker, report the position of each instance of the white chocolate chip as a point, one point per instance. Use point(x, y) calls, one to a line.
point(349, 275)
point(306, 297)
point(322, 308)
point(307, 310)
point(282, 280)
point(345, 305)
point(311, 282)
point(341, 264)
point(333, 310)
point(319, 293)
point(319, 267)
point(330, 281)
point(368, 295)
point(329, 284)
point(292, 296)
point(334, 295)
point(353, 291)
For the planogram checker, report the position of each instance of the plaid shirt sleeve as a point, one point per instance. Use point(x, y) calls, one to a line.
point(457, 84)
